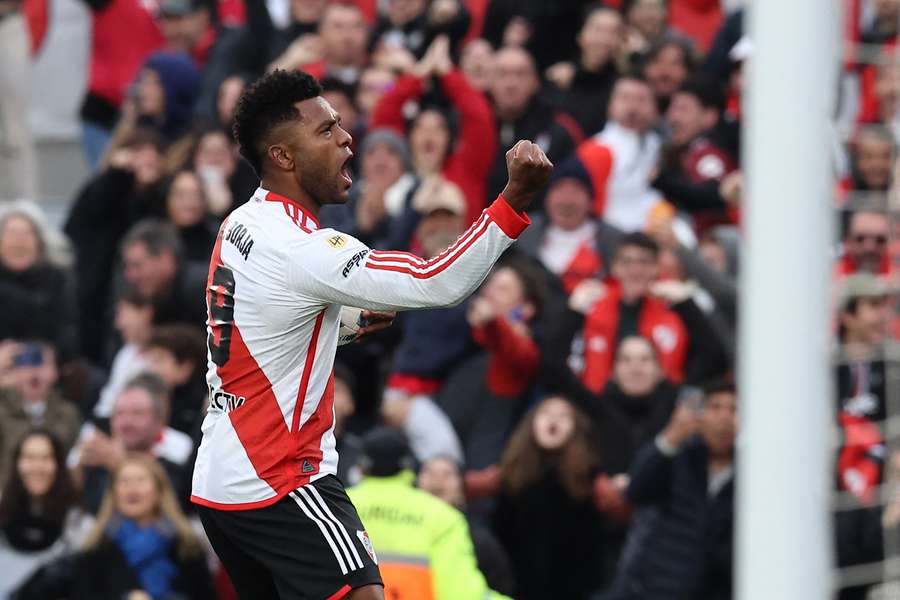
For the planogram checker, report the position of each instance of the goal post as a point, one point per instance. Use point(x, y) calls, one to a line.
point(784, 474)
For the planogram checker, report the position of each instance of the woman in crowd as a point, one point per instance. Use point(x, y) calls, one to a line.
point(39, 521)
point(141, 542)
point(187, 209)
point(36, 292)
point(545, 516)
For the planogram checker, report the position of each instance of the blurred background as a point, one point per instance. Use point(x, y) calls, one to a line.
point(577, 416)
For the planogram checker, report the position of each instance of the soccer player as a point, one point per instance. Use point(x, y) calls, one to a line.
point(264, 479)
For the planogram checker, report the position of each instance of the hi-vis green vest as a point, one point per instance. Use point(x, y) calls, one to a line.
point(422, 543)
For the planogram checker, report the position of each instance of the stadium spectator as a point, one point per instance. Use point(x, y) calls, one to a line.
point(381, 194)
point(646, 23)
point(680, 541)
point(667, 65)
point(566, 238)
point(585, 86)
point(127, 191)
point(414, 24)
point(141, 541)
point(36, 290)
point(429, 532)
point(123, 34)
point(137, 424)
point(621, 307)
point(521, 113)
point(464, 161)
point(694, 164)
point(154, 264)
point(187, 209)
point(865, 248)
point(374, 82)
point(177, 354)
point(348, 444)
point(133, 321)
point(31, 400)
point(622, 158)
point(227, 182)
point(545, 517)
point(18, 160)
point(485, 394)
point(475, 63)
point(861, 382)
point(39, 516)
point(432, 343)
point(338, 50)
point(442, 477)
point(871, 162)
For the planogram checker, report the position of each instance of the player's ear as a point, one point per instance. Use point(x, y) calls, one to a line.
point(281, 156)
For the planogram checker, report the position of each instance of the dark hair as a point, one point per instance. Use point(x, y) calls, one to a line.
point(534, 284)
point(186, 343)
point(640, 240)
point(333, 84)
point(673, 40)
point(158, 236)
point(15, 502)
point(707, 91)
point(131, 295)
point(343, 372)
point(267, 102)
point(719, 386)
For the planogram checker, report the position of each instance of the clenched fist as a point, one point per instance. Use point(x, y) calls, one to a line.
point(528, 168)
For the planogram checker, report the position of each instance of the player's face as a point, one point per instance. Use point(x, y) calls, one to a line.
point(321, 150)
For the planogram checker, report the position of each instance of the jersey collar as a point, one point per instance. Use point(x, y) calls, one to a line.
point(273, 197)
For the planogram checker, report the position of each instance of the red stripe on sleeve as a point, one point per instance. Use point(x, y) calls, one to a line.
point(511, 222)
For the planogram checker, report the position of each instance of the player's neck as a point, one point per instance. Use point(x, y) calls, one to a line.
point(292, 190)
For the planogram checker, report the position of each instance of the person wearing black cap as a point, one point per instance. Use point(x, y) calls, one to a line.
point(425, 550)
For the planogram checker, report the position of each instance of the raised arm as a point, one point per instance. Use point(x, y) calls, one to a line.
point(348, 272)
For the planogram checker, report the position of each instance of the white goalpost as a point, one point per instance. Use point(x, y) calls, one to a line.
point(783, 537)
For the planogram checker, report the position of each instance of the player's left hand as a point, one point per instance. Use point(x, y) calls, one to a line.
point(375, 321)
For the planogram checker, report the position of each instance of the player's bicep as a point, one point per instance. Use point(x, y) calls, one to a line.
point(333, 268)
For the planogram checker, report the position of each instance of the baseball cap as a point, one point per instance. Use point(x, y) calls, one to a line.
point(863, 285)
point(436, 193)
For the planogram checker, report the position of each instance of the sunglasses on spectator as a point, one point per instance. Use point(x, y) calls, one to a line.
point(879, 239)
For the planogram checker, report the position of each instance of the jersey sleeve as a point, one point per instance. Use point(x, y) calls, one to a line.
point(336, 268)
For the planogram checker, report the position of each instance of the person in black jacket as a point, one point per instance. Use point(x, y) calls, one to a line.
point(114, 200)
point(36, 294)
point(545, 516)
point(141, 541)
point(682, 484)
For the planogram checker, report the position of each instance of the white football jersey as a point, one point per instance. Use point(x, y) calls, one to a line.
point(274, 295)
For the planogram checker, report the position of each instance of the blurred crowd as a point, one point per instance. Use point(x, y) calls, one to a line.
point(578, 412)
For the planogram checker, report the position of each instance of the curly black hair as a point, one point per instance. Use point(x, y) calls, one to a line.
point(268, 102)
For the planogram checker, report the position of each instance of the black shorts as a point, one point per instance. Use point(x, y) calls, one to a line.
point(310, 545)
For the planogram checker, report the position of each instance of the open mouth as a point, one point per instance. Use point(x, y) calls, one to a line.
point(345, 172)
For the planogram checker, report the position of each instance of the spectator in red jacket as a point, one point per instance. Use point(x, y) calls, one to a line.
point(866, 244)
point(694, 163)
point(862, 383)
point(465, 163)
point(626, 308)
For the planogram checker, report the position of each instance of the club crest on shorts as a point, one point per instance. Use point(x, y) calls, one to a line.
point(367, 544)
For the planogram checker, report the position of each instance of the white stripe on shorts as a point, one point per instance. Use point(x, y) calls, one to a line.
point(303, 492)
point(343, 529)
point(322, 528)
